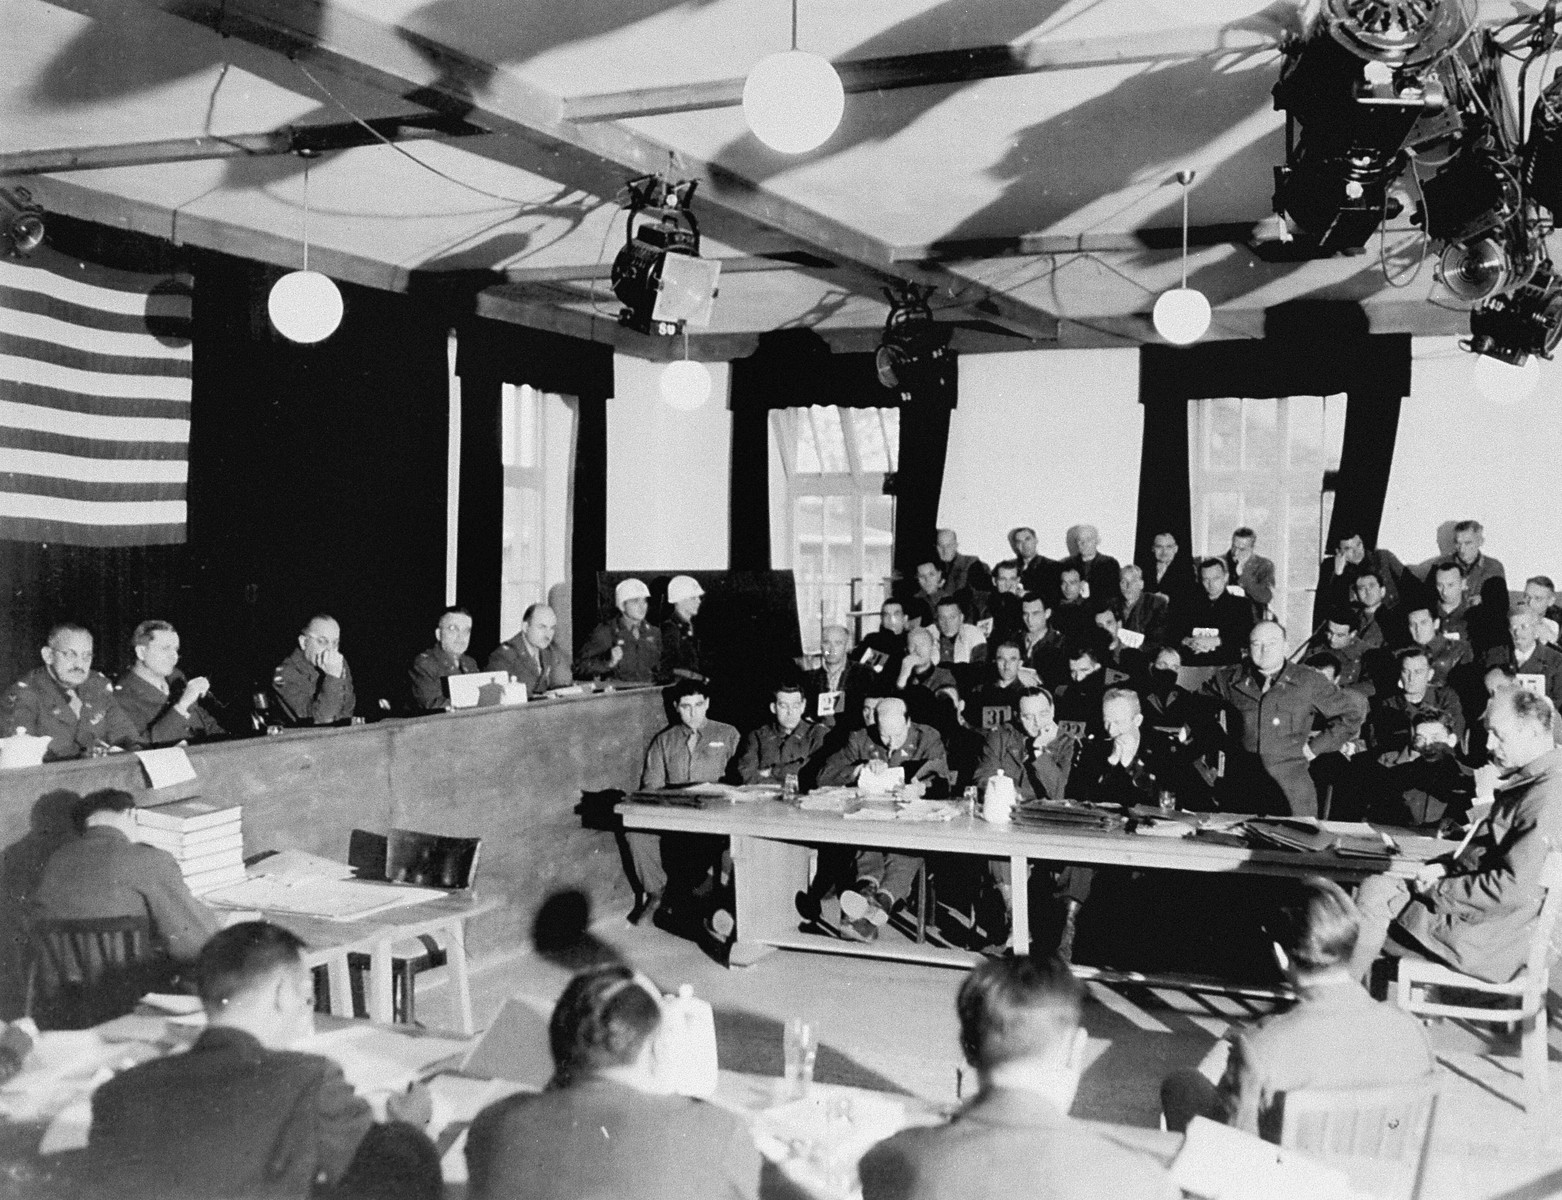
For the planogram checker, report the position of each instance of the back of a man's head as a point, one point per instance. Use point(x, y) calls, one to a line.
point(1013, 1009)
point(239, 960)
point(602, 1020)
point(105, 800)
point(1316, 925)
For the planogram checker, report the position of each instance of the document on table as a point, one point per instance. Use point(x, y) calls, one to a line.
point(379, 1061)
point(166, 767)
point(333, 899)
point(1222, 1163)
point(301, 864)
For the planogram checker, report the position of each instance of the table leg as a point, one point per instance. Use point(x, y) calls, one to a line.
point(1019, 903)
point(766, 877)
point(460, 982)
point(379, 987)
point(341, 982)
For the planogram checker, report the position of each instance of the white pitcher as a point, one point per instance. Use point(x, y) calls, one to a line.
point(998, 800)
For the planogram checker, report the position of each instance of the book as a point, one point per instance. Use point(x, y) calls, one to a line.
point(188, 843)
point(232, 839)
point(183, 816)
point(210, 862)
point(208, 881)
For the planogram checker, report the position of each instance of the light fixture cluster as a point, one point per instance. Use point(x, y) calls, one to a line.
point(1376, 93)
point(913, 357)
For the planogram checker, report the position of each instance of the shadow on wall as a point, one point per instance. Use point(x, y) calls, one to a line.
point(21, 865)
point(561, 933)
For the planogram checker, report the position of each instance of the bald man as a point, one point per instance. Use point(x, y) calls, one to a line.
point(1273, 709)
point(531, 656)
point(446, 657)
point(314, 685)
point(836, 687)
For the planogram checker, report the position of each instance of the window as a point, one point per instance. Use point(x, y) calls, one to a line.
point(840, 526)
point(535, 435)
point(1267, 463)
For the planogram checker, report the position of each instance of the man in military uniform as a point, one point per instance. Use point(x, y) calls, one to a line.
point(1272, 705)
point(1031, 750)
point(531, 656)
point(789, 745)
point(625, 649)
point(162, 704)
point(313, 685)
point(67, 701)
point(447, 656)
point(680, 643)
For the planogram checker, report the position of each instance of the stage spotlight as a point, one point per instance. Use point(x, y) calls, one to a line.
point(659, 274)
point(1543, 151)
point(1356, 85)
point(913, 356)
point(1526, 321)
point(1476, 193)
point(21, 221)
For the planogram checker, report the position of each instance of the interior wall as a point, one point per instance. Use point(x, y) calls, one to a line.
point(667, 473)
point(1461, 455)
point(1046, 438)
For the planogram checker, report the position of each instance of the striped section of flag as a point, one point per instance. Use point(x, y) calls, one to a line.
point(94, 403)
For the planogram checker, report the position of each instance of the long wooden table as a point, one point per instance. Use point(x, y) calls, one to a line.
point(771, 843)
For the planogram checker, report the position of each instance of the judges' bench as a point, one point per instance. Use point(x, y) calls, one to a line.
point(516, 777)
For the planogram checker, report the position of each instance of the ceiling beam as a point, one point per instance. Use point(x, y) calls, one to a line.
point(290, 139)
point(943, 67)
point(581, 272)
point(595, 157)
point(1025, 245)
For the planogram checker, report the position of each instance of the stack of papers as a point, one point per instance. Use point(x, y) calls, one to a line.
point(834, 800)
point(314, 896)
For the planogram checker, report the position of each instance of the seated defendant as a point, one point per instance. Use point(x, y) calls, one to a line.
point(161, 703)
point(241, 1114)
point(66, 701)
point(624, 649)
point(314, 685)
point(532, 657)
point(446, 657)
point(791, 745)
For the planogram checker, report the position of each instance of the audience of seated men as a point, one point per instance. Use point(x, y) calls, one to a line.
point(1445, 655)
point(928, 689)
point(1339, 638)
point(681, 657)
point(1335, 1036)
point(960, 644)
point(1167, 704)
point(1480, 569)
point(995, 701)
point(1536, 667)
point(1073, 616)
point(931, 591)
point(624, 649)
point(836, 687)
point(606, 1126)
point(147, 692)
point(1129, 765)
point(1540, 593)
point(1463, 617)
point(1079, 699)
point(1379, 624)
point(1211, 629)
point(241, 1113)
point(1041, 646)
point(314, 685)
point(1132, 662)
point(446, 657)
point(1171, 575)
point(66, 701)
point(1424, 785)
point(674, 871)
point(963, 573)
point(1038, 573)
point(1139, 610)
point(789, 747)
point(1003, 603)
point(1250, 570)
point(1393, 717)
point(1271, 707)
point(1474, 911)
point(1337, 574)
point(1020, 1031)
point(1099, 573)
point(1030, 749)
point(882, 650)
point(532, 657)
point(894, 752)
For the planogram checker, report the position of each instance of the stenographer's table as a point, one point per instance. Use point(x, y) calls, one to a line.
point(770, 862)
point(329, 943)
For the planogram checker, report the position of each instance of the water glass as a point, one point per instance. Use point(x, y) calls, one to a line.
point(800, 1046)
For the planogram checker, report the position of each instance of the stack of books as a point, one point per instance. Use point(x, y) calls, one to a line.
point(206, 838)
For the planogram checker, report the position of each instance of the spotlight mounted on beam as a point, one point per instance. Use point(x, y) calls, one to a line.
point(1514, 325)
point(913, 357)
point(659, 275)
point(21, 221)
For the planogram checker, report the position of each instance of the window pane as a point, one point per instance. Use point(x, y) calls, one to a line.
point(1223, 445)
point(528, 415)
point(1261, 434)
point(1304, 420)
point(1222, 514)
point(807, 450)
point(520, 582)
point(831, 439)
point(868, 432)
point(889, 418)
point(1301, 567)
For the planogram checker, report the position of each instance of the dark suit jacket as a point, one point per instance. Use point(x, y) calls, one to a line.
point(1044, 777)
point(228, 1118)
point(1008, 1144)
point(152, 712)
point(606, 1141)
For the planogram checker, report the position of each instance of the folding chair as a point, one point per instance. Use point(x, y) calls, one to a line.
point(89, 970)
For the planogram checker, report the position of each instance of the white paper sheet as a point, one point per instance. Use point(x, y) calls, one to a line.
point(166, 767)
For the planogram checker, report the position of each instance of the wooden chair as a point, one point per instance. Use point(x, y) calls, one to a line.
point(1525, 995)
point(1378, 1136)
point(87, 971)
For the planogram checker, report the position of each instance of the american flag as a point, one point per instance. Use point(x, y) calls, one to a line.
point(94, 403)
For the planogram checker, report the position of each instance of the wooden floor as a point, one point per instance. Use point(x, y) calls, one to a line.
point(891, 1025)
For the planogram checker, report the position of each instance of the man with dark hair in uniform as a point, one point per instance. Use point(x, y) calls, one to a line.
point(146, 691)
point(532, 656)
point(791, 745)
point(67, 701)
point(447, 656)
point(624, 649)
point(314, 685)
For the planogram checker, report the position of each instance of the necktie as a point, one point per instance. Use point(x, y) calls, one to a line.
point(75, 701)
point(693, 743)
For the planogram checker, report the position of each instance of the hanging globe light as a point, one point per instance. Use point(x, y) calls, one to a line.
point(1182, 315)
point(685, 385)
point(793, 101)
point(305, 306)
